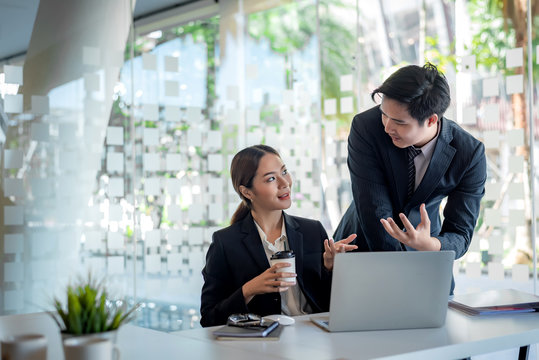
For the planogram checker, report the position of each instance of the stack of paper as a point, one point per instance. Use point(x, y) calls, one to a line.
point(495, 302)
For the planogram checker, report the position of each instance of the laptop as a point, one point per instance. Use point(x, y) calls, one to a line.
point(389, 290)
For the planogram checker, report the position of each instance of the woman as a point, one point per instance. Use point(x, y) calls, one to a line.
point(237, 275)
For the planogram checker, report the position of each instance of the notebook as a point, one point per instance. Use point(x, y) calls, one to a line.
point(226, 332)
point(498, 301)
point(389, 290)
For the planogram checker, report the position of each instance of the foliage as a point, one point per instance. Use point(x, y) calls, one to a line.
point(129, 232)
point(290, 27)
point(205, 32)
point(489, 39)
point(498, 27)
point(435, 55)
point(87, 311)
point(202, 31)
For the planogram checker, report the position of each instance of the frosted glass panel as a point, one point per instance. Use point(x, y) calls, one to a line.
point(13, 74)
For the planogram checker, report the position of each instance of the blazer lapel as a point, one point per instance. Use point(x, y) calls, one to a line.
point(398, 164)
point(295, 240)
point(253, 243)
point(440, 161)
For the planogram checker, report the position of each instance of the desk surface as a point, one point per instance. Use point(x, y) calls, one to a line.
point(133, 342)
point(460, 337)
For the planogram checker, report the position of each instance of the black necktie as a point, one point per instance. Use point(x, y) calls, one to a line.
point(412, 153)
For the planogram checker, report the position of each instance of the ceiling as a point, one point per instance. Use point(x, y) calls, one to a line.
point(17, 19)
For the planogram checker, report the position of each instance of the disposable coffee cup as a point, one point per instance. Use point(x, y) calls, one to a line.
point(24, 347)
point(287, 256)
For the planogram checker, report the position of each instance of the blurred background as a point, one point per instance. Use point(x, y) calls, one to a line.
point(119, 120)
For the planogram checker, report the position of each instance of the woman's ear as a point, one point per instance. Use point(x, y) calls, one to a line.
point(245, 192)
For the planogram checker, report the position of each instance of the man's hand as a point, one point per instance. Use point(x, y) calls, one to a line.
point(332, 248)
point(418, 238)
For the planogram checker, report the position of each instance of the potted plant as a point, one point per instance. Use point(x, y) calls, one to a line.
point(89, 312)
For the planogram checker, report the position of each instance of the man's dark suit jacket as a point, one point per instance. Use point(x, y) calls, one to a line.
point(457, 171)
point(236, 255)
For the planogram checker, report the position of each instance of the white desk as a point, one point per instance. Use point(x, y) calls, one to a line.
point(460, 337)
point(134, 342)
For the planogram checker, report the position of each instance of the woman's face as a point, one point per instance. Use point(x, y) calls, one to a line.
point(272, 184)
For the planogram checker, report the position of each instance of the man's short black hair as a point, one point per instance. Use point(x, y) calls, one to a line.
point(423, 89)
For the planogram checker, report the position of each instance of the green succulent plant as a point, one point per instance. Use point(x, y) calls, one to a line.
point(87, 311)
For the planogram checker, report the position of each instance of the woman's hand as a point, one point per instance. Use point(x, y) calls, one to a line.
point(332, 248)
point(267, 282)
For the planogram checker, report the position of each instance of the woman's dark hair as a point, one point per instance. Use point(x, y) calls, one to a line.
point(242, 171)
point(423, 89)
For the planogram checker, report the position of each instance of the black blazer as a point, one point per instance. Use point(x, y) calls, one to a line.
point(457, 171)
point(236, 255)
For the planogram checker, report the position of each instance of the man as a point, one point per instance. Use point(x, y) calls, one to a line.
point(404, 158)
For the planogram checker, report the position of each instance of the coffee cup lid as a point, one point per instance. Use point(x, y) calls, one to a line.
point(287, 254)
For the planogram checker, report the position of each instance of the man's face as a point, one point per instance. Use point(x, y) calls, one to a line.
point(403, 129)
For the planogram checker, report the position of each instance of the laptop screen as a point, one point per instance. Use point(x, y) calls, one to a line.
point(390, 290)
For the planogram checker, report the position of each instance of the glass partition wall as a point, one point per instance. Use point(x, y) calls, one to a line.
point(493, 100)
point(57, 103)
point(122, 167)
